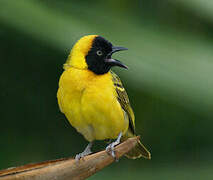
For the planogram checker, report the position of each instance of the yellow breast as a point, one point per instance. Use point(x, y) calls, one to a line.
point(90, 104)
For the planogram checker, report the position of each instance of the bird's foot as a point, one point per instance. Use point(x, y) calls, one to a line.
point(86, 152)
point(111, 147)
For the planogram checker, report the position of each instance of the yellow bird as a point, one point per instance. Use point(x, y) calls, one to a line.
point(93, 98)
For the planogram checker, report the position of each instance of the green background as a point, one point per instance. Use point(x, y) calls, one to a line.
point(169, 81)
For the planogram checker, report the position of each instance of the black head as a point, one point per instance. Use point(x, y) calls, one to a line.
point(99, 58)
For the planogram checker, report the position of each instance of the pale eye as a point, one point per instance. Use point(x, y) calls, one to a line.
point(99, 53)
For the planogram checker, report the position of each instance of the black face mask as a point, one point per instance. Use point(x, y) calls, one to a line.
point(99, 57)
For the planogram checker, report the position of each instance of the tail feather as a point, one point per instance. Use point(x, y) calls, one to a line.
point(138, 151)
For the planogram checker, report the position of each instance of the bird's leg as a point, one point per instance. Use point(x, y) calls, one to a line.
point(111, 147)
point(86, 152)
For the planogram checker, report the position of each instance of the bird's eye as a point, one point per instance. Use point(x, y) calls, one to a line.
point(99, 53)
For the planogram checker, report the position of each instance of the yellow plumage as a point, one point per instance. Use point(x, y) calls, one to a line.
point(90, 104)
point(93, 98)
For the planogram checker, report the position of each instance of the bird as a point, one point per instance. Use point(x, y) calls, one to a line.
point(93, 98)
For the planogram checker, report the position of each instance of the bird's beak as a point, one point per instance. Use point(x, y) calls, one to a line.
point(116, 49)
point(115, 62)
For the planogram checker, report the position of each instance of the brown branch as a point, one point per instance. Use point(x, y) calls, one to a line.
point(67, 168)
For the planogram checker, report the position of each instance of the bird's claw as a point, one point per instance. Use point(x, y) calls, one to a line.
point(81, 155)
point(86, 152)
point(111, 147)
point(111, 150)
point(78, 157)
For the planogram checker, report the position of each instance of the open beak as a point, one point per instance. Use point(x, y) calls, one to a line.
point(115, 62)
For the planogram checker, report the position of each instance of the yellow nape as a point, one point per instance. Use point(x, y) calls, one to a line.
point(79, 51)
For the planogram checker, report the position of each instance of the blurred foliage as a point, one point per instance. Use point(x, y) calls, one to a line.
point(169, 80)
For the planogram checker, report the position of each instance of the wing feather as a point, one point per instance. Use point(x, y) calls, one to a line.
point(124, 100)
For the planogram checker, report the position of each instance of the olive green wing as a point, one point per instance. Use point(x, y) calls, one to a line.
point(124, 101)
point(139, 150)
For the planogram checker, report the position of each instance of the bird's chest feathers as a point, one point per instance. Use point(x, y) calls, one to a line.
point(90, 104)
point(78, 84)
